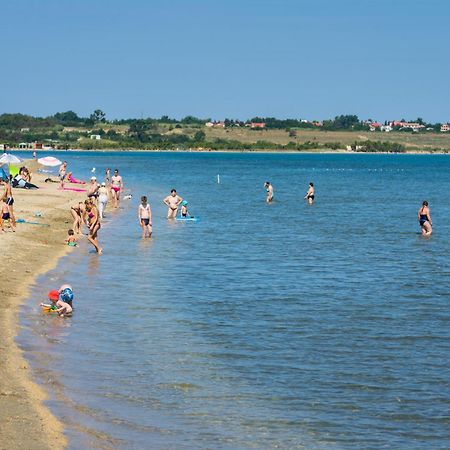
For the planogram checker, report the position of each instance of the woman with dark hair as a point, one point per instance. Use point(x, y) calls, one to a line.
point(425, 219)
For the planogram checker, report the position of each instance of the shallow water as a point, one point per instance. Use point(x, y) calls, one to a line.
point(261, 326)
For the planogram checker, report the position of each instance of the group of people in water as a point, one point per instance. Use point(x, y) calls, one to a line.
point(309, 194)
point(91, 211)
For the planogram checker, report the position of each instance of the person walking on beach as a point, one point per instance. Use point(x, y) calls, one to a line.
point(425, 219)
point(102, 199)
point(173, 202)
point(94, 225)
point(62, 174)
point(269, 190)
point(116, 187)
point(310, 194)
point(9, 200)
point(145, 218)
point(93, 188)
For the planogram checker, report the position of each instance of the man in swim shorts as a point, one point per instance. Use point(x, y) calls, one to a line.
point(173, 202)
point(116, 187)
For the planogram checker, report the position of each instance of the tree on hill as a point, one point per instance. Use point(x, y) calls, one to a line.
point(98, 116)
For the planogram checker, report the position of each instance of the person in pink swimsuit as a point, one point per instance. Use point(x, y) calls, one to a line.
point(93, 219)
point(116, 187)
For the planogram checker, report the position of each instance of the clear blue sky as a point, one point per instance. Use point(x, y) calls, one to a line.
point(313, 59)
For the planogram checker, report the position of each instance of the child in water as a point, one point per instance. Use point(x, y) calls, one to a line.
point(145, 218)
point(184, 210)
point(61, 300)
point(71, 239)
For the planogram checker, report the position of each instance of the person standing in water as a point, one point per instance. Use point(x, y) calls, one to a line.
point(145, 218)
point(425, 219)
point(116, 187)
point(94, 225)
point(103, 196)
point(310, 194)
point(269, 189)
point(173, 202)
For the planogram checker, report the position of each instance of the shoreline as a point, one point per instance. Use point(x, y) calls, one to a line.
point(273, 152)
point(25, 420)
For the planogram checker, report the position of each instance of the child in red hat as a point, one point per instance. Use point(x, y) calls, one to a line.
point(58, 306)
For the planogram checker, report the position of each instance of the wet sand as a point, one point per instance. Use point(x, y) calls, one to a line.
point(25, 422)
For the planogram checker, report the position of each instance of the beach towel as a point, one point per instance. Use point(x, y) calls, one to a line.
point(74, 189)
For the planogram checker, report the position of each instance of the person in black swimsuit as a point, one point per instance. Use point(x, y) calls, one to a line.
point(425, 219)
point(310, 194)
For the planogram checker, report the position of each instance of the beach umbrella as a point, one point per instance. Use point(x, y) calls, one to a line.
point(49, 161)
point(7, 158)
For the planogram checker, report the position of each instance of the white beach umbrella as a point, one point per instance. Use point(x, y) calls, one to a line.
point(8, 158)
point(49, 161)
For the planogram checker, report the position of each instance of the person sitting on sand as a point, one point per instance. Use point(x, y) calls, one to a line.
point(172, 201)
point(58, 304)
point(310, 194)
point(269, 190)
point(71, 238)
point(19, 182)
point(425, 219)
point(26, 175)
point(145, 218)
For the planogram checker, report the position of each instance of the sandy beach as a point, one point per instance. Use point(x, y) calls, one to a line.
point(25, 422)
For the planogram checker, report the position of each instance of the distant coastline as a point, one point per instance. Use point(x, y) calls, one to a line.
point(345, 133)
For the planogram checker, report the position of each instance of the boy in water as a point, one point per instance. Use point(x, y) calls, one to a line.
point(145, 218)
point(184, 209)
point(71, 239)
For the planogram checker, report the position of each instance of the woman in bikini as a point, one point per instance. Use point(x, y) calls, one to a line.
point(94, 225)
point(425, 219)
point(116, 187)
point(78, 213)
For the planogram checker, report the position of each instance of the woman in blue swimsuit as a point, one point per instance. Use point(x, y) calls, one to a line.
point(425, 219)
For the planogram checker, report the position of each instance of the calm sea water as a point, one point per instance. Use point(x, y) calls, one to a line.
point(261, 326)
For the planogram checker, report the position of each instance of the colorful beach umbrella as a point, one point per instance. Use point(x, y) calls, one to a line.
point(49, 161)
point(8, 158)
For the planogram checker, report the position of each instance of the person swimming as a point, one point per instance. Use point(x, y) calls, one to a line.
point(424, 218)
